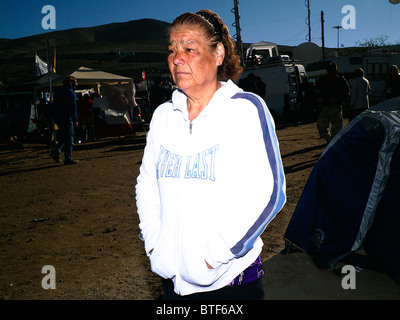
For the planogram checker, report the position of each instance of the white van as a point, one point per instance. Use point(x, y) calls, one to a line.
point(281, 75)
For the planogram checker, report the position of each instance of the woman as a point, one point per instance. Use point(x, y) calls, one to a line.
point(211, 177)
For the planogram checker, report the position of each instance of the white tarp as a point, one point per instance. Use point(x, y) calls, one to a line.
point(86, 75)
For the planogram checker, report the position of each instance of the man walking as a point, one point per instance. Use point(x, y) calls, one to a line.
point(333, 90)
point(66, 118)
point(360, 89)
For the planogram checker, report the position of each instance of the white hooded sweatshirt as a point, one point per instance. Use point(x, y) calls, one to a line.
point(208, 188)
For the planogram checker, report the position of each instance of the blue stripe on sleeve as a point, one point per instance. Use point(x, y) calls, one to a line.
point(278, 197)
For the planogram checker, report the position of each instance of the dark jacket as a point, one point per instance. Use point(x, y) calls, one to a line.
point(65, 105)
point(333, 91)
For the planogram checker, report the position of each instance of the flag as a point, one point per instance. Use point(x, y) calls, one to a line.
point(41, 66)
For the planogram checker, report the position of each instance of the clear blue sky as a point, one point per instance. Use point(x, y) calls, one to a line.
point(282, 22)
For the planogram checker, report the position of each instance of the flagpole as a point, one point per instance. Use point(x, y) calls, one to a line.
point(49, 68)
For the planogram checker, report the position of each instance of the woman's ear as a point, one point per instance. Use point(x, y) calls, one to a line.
point(220, 53)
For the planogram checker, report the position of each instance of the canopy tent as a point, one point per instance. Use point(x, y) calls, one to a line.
point(87, 76)
point(84, 75)
point(42, 80)
point(112, 113)
point(351, 200)
point(38, 83)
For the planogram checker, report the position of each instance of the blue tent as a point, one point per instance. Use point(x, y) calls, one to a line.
point(351, 200)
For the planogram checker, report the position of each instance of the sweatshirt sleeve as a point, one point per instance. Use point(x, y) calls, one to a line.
point(257, 192)
point(148, 198)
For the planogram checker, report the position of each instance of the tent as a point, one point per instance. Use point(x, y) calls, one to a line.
point(351, 202)
point(112, 114)
point(88, 76)
point(42, 81)
point(38, 83)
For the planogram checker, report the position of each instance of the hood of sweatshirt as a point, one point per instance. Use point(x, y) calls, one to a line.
point(227, 90)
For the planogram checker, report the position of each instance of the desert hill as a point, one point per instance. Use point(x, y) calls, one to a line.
point(124, 48)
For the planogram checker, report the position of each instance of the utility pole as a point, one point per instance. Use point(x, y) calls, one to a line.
point(338, 27)
point(323, 34)
point(237, 36)
point(309, 20)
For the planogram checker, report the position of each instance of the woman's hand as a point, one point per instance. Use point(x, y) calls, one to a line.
point(208, 266)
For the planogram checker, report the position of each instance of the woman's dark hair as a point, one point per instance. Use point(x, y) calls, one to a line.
point(215, 31)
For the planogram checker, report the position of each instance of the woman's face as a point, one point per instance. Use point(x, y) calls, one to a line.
point(192, 64)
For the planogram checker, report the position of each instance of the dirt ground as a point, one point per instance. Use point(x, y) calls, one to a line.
point(82, 219)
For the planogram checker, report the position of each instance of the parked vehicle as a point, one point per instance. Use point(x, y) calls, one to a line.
point(281, 75)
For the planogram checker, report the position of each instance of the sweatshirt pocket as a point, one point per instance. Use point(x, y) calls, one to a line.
point(193, 263)
point(162, 258)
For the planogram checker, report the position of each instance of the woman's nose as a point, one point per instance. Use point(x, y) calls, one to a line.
point(178, 58)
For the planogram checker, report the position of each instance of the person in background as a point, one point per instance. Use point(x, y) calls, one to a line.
point(360, 90)
point(332, 90)
point(249, 83)
point(66, 118)
point(158, 94)
point(392, 85)
point(306, 99)
point(206, 189)
point(84, 108)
